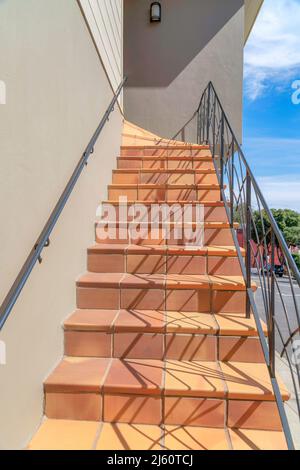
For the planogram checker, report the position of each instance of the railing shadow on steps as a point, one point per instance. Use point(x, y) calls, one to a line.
point(277, 301)
point(43, 240)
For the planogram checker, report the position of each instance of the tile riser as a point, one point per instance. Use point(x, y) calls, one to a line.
point(160, 264)
point(155, 410)
point(216, 237)
point(157, 178)
point(185, 300)
point(127, 163)
point(158, 195)
point(161, 346)
point(177, 213)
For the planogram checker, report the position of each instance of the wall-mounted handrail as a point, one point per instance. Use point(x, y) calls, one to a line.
point(44, 238)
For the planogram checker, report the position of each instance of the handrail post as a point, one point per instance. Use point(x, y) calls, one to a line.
point(222, 150)
point(272, 309)
point(248, 242)
point(214, 128)
point(208, 115)
point(232, 186)
point(199, 126)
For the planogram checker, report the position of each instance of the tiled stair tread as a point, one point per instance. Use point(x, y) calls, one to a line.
point(74, 374)
point(91, 320)
point(172, 145)
point(163, 186)
point(65, 435)
point(81, 435)
point(189, 158)
point(249, 379)
point(168, 157)
point(226, 251)
point(179, 171)
point(170, 202)
point(129, 437)
point(207, 225)
point(257, 440)
point(154, 321)
point(169, 281)
point(139, 377)
point(171, 378)
point(162, 281)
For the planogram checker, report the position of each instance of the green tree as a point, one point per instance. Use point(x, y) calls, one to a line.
point(288, 221)
point(297, 260)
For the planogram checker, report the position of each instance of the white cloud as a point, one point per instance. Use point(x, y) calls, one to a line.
point(272, 54)
point(281, 192)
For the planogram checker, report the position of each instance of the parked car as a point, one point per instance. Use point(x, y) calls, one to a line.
point(279, 269)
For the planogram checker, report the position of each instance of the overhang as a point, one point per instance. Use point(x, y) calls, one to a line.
point(252, 8)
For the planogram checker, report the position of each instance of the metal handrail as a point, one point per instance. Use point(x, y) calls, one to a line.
point(43, 240)
point(213, 128)
point(274, 224)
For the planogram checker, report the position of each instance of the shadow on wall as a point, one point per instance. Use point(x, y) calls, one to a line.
point(155, 54)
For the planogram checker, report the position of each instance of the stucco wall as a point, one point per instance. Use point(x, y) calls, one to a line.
point(169, 64)
point(57, 92)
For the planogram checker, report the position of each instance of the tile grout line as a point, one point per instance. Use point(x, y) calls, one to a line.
point(98, 435)
point(114, 332)
point(228, 438)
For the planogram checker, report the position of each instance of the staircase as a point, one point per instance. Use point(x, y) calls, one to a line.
point(159, 353)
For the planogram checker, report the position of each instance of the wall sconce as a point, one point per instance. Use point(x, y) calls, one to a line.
point(155, 12)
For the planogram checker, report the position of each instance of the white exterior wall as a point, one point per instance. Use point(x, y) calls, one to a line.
point(57, 91)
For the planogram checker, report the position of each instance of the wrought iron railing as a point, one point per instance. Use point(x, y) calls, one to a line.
point(43, 240)
point(267, 256)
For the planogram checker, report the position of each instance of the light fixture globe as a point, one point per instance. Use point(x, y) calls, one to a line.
point(155, 12)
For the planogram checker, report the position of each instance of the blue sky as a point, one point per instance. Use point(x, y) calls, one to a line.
point(271, 119)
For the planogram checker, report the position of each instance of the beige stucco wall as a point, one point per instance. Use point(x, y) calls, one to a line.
point(169, 64)
point(57, 91)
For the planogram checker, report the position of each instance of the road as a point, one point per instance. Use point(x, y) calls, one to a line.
point(282, 305)
point(283, 319)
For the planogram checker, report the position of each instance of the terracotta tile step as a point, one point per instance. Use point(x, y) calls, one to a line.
point(185, 235)
point(164, 259)
point(171, 177)
point(210, 251)
point(152, 186)
point(80, 435)
point(167, 172)
point(166, 225)
point(169, 281)
point(153, 391)
point(156, 192)
point(172, 145)
point(170, 163)
point(159, 335)
point(156, 321)
point(166, 150)
point(131, 202)
point(214, 211)
point(236, 381)
point(187, 293)
point(170, 158)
